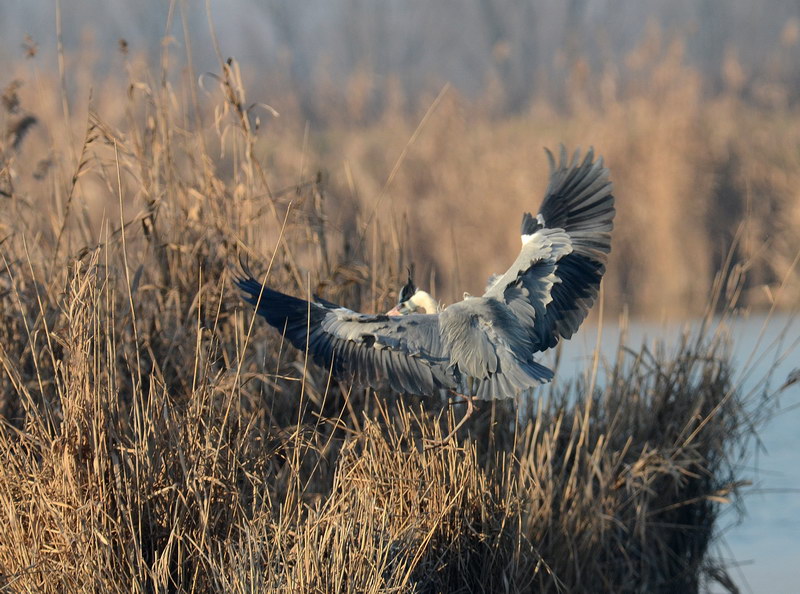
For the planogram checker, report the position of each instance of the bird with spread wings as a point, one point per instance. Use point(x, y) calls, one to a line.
point(482, 347)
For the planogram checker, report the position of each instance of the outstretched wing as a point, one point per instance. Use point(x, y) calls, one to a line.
point(400, 353)
point(555, 279)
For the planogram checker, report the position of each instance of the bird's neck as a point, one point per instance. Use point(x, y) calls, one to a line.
point(423, 300)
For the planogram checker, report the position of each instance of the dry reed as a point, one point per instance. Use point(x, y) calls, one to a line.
point(154, 438)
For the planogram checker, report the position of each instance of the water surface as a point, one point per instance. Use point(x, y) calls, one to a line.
point(763, 550)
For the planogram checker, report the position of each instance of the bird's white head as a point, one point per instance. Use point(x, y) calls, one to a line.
point(413, 300)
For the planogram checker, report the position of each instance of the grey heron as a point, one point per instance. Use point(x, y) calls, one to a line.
point(482, 347)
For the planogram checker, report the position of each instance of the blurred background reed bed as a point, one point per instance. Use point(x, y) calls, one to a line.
point(155, 438)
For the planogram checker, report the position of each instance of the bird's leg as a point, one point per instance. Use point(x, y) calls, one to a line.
point(471, 408)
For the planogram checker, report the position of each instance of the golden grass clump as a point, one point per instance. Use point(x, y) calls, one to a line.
point(155, 438)
point(113, 480)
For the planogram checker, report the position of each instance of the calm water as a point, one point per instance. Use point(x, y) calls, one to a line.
point(765, 545)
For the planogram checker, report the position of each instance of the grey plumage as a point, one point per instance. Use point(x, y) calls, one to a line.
point(578, 201)
point(481, 346)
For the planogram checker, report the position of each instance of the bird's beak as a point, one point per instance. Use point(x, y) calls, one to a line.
point(402, 309)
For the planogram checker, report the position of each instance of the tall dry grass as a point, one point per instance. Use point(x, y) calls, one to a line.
point(155, 438)
point(691, 161)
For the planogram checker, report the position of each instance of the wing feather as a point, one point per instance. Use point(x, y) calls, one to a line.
point(401, 353)
point(555, 279)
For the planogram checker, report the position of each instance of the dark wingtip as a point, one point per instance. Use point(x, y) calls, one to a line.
point(246, 281)
point(551, 160)
point(243, 264)
point(243, 273)
point(530, 224)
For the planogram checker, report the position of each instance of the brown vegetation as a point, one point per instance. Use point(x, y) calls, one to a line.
point(156, 438)
point(689, 165)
